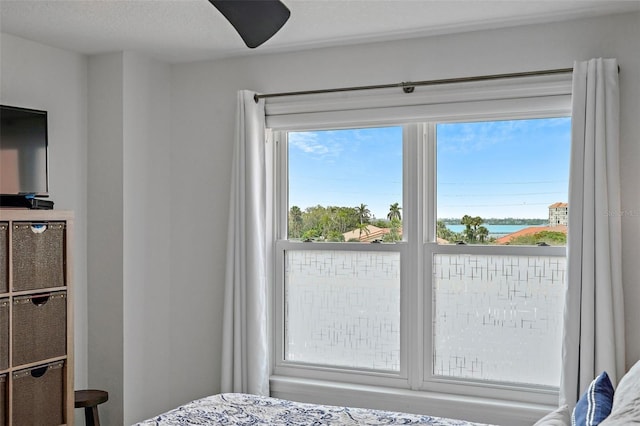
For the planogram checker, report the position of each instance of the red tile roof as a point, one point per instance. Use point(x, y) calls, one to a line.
point(375, 233)
point(556, 205)
point(530, 231)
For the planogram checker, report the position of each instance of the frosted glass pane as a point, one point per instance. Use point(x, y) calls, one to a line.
point(343, 309)
point(498, 318)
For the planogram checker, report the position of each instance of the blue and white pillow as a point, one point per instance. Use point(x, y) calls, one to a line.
point(595, 404)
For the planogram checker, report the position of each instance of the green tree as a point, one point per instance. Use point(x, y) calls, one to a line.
point(394, 232)
point(344, 219)
point(364, 214)
point(482, 233)
point(335, 236)
point(470, 233)
point(362, 227)
point(552, 238)
point(326, 222)
point(316, 221)
point(295, 222)
point(445, 233)
point(394, 212)
point(381, 223)
point(310, 235)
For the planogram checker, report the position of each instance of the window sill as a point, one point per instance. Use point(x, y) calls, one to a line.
point(476, 409)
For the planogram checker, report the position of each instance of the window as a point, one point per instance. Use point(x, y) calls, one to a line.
point(426, 254)
point(498, 310)
point(342, 305)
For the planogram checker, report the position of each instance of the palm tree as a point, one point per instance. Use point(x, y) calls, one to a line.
point(394, 212)
point(471, 228)
point(445, 233)
point(469, 234)
point(482, 233)
point(363, 227)
point(364, 214)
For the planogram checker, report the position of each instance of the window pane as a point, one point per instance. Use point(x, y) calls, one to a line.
point(343, 308)
point(498, 318)
point(503, 182)
point(345, 185)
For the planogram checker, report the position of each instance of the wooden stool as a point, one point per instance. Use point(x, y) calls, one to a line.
point(89, 400)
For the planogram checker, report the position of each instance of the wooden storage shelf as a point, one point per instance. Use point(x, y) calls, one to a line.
point(36, 318)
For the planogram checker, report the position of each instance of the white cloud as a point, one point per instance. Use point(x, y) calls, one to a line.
point(312, 143)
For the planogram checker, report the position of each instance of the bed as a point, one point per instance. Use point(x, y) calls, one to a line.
point(243, 409)
point(614, 407)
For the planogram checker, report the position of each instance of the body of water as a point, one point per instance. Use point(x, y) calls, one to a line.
point(496, 231)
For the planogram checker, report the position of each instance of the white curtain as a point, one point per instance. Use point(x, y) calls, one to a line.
point(245, 361)
point(594, 315)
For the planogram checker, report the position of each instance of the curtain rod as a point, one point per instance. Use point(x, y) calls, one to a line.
point(409, 86)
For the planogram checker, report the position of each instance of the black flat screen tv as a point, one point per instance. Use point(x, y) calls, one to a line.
point(23, 152)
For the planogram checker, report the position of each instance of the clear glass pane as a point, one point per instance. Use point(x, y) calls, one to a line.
point(343, 308)
point(498, 318)
point(345, 185)
point(503, 182)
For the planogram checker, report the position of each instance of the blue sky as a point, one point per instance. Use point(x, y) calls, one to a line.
point(490, 169)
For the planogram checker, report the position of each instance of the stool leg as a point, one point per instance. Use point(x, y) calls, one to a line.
point(91, 416)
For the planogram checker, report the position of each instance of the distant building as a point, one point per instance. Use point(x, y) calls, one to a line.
point(558, 214)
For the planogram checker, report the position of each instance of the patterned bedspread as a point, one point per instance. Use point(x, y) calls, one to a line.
point(243, 409)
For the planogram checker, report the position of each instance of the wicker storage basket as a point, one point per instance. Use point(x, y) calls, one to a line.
point(39, 327)
point(38, 255)
point(4, 257)
point(38, 395)
point(4, 334)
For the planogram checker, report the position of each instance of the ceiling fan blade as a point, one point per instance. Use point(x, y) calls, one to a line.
point(255, 20)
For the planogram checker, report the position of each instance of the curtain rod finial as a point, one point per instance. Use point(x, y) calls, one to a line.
point(256, 98)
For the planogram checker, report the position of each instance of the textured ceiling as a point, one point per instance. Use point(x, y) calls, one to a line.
point(190, 30)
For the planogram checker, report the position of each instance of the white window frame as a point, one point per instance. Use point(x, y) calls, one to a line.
point(488, 102)
point(282, 244)
point(464, 386)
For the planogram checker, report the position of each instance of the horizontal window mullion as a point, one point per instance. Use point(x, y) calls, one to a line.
point(321, 246)
point(328, 372)
point(502, 250)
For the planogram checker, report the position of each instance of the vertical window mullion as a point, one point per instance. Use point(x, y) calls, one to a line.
point(428, 140)
point(280, 232)
point(282, 198)
point(411, 266)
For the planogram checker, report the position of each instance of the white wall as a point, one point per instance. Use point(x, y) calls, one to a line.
point(105, 232)
point(141, 324)
point(36, 76)
point(203, 104)
point(129, 229)
point(148, 305)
